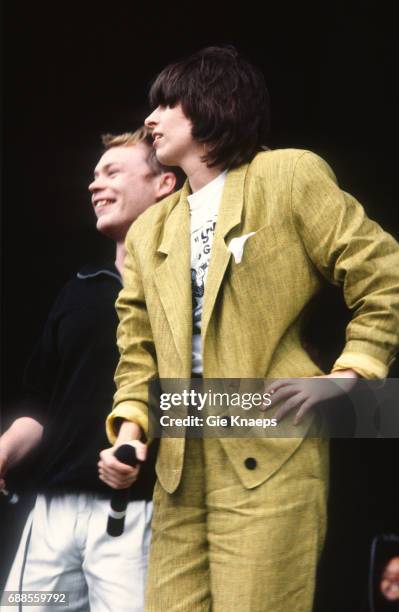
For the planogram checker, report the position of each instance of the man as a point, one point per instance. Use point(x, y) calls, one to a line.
point(69, 388)
point(389, 584)
point(239, 523)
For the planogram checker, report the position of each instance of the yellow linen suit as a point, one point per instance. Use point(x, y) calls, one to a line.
point(305, 228)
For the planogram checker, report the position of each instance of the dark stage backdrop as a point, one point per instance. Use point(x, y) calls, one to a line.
point(73, 71)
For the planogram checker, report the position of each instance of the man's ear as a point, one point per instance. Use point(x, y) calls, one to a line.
point(166, 184)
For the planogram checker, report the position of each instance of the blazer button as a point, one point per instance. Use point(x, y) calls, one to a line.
point(250, 463)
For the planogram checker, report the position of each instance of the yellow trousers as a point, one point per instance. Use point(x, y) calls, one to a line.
point(219, 547)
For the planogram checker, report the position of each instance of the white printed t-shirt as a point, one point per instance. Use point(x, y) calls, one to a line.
point(204, 206)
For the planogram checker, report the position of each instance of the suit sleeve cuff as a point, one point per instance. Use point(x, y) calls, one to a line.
point(128, 412)
point(365, 365)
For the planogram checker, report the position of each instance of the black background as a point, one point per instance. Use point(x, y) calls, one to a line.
point(73, 71)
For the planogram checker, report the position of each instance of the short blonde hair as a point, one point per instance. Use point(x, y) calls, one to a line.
point(130, 139)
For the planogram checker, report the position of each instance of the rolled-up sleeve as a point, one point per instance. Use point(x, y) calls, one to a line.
point(351, 250)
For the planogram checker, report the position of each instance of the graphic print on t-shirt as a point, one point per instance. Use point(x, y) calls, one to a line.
point(201, 241)
point(204, 207)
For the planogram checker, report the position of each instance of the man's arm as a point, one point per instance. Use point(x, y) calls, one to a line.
point(20, 439)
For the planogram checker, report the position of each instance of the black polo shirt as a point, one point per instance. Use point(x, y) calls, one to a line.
point(69, 385)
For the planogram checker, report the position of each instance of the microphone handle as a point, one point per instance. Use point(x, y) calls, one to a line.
point(120, 497)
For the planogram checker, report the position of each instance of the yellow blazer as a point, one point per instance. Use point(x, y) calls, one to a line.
point(305, 228)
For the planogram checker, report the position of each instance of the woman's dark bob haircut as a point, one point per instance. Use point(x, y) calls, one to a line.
point(226, 99)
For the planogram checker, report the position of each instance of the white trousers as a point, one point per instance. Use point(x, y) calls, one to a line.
point(65, 547)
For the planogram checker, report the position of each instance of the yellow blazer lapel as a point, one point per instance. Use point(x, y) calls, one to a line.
point(229, 216)
point(173, 278)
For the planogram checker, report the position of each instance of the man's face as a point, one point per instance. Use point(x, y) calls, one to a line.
point(172, 133)
point(124, 186)
point(390, 580)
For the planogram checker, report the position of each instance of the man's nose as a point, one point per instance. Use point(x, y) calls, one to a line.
point(92, 186)
point(95, 184)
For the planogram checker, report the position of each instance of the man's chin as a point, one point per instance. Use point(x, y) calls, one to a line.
point(111, 230)
point(105, 227)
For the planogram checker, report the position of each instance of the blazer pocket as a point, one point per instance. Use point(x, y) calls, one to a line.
point(263, 243)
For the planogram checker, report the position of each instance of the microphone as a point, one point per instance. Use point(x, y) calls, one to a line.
point(120, 497)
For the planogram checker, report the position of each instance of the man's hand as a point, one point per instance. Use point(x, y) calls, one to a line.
point(301, 394)
point(17, 442)
point(114, 473)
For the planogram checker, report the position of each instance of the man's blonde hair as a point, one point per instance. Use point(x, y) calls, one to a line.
point(130, 139)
